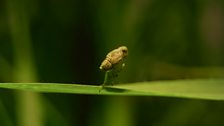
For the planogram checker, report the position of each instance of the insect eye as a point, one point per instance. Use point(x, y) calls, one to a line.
point(124, 51)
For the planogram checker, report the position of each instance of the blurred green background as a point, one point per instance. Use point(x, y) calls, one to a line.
point(65, 42)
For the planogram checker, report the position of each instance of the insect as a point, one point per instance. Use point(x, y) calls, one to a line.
point(113, 58)
point(113, 64)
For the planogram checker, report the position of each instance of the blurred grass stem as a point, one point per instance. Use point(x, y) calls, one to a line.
point(29, 110)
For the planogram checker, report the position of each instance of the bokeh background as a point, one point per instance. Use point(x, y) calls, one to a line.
point(65, 42)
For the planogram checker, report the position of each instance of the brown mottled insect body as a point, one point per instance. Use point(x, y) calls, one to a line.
point(114, 57)
point(106, 64)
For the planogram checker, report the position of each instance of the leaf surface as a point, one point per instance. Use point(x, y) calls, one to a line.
point(211, 89)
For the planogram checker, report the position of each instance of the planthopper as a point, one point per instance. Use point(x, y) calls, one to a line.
point(113, 64)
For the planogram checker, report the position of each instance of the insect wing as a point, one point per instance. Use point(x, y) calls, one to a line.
point(115, 56)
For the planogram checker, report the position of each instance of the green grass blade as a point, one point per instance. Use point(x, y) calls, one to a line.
point(211, 89)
